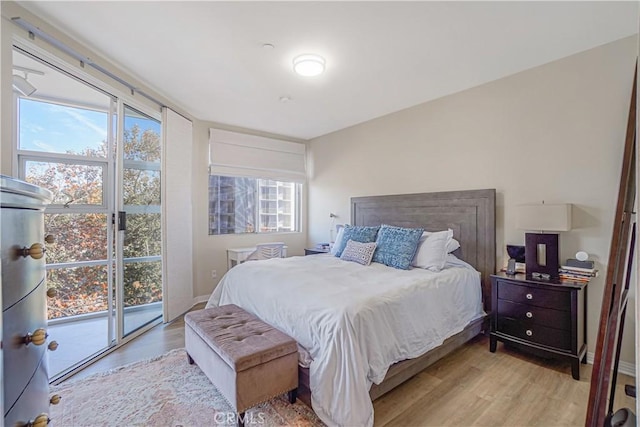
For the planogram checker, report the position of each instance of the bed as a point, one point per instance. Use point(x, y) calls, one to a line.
point(368, 329)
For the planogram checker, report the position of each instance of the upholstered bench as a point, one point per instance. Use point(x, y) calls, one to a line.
point(247, 360)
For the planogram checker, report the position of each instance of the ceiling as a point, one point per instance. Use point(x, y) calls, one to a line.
point(382, 57)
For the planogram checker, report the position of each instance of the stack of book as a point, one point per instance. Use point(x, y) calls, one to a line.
point(577, 274)
point(322, 246)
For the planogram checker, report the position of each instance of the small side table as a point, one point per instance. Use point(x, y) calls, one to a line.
point(546, 317)
point(237, 256)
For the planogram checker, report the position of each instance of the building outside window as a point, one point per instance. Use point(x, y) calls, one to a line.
point(252, 205)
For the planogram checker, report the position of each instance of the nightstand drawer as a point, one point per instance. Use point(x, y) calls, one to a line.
point(557, 338)
point(531, 315)
point(534, 296)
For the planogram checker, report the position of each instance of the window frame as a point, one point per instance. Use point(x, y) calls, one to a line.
point(27, 156)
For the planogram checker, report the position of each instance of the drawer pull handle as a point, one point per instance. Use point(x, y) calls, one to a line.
point(529, 332)
point(35, 251)
point(529, 314)
point(40, 421)
point(529, 296)
point(50, 238)
point(53, 346)
point(55, 399)
point(38, 337)
point(52, 292)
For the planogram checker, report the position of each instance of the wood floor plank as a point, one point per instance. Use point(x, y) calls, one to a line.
point(392, 405)
point(469, 387)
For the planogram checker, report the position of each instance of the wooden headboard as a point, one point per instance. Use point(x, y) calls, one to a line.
point(470, 214)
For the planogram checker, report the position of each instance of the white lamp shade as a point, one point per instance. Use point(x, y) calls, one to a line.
point(544, 217)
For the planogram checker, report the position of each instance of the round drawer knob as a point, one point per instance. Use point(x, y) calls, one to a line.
point(35, 251)
point(38, 337)
point(40, 421)
point(53, 346)
point(529, 296)
point(529, 314)
point(52, 292)
point(50, 238)
point(55, 399)
point(529, 332)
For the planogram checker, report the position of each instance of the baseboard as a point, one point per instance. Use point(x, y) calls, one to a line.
point(623, 368)
point(201, 298)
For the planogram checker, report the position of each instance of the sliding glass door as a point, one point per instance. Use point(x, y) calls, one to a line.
point(140, 239)
point(102, 160)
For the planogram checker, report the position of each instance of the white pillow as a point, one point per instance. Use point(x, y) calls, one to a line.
point(432, 251)
point(452, 244)
point(336, 244)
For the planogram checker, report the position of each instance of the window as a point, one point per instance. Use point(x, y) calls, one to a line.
point(255, 183)
point(252, 205)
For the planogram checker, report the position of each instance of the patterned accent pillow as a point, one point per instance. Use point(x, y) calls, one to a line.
point(357, 234)
point(358, 252)
point(397, 246)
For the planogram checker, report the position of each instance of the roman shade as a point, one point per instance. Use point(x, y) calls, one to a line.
point(238, 154)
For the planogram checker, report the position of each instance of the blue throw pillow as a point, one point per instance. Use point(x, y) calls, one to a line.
point(357, 234)
point(397, 246)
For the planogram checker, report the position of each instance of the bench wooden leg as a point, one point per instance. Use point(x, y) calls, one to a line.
point(191, 361)
point(241, 419)
point(292, 395)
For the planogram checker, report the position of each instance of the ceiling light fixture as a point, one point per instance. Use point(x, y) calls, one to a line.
point(308, 65)
point(21, 84)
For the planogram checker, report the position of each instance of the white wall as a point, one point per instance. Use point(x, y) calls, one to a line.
point(552, 133)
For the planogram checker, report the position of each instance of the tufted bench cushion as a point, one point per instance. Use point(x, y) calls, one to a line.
point(247, 360)
point(240, 338)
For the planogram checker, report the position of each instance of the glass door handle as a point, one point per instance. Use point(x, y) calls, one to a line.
point(122, 221)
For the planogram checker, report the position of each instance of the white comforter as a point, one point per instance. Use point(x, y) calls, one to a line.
point(355, 321)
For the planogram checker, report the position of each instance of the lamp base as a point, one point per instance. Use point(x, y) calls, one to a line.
point(541, 255)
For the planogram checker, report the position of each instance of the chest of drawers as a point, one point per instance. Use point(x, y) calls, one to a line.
point(24, 310)
point(547, 318)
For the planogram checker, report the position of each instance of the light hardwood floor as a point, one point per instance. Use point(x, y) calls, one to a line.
point(158, 340)
point(470, 387)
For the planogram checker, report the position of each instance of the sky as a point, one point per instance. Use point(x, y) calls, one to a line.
point(60, 129)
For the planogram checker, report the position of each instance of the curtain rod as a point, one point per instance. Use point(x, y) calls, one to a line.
point(35, 31)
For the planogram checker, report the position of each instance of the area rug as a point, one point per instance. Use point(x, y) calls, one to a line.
point(164, 391)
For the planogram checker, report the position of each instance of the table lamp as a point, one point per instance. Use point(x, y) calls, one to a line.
point(541, 248)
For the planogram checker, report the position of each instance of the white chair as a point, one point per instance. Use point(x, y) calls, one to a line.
point(267, 251)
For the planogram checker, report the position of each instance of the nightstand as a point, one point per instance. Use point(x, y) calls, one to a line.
point(314, 251)
point(547, 318)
